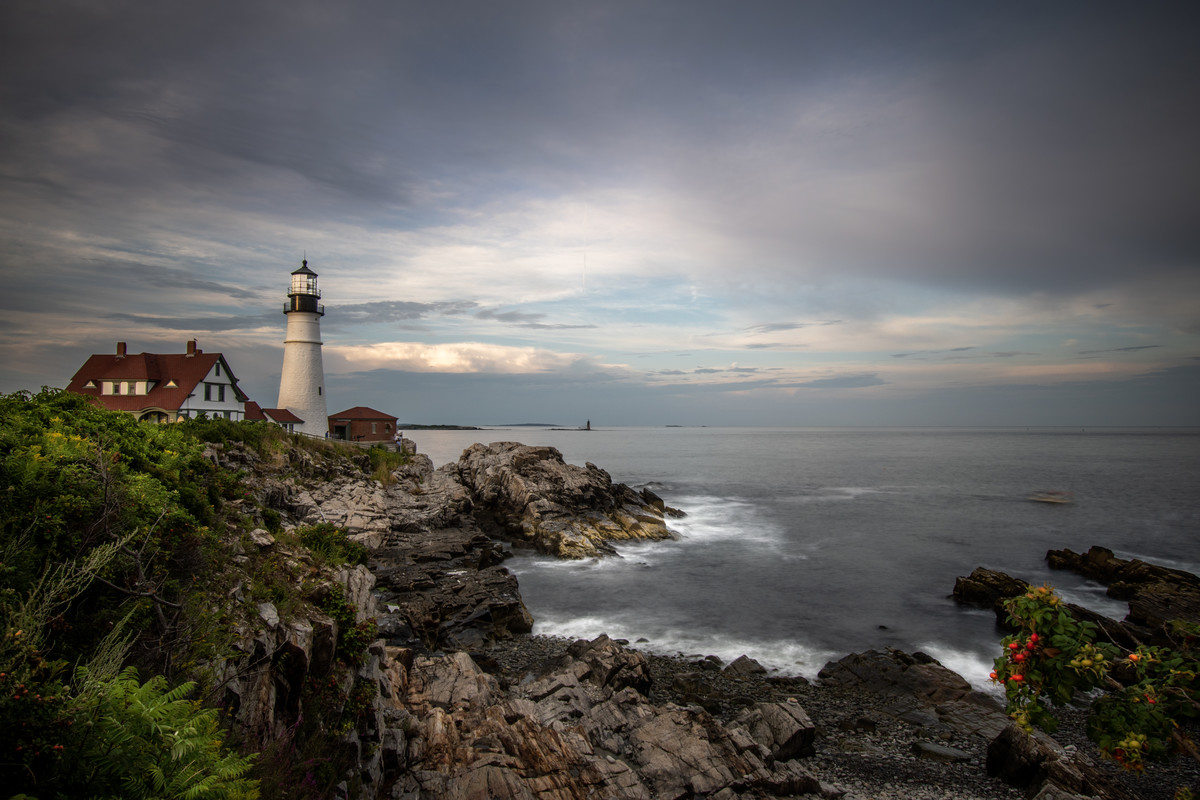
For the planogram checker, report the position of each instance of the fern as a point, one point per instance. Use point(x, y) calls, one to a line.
point(152, 742)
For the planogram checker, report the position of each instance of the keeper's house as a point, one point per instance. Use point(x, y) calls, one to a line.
point(164, 387)
point(362, 424)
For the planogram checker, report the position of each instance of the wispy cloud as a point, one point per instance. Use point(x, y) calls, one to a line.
point(532, 321)
point(1129, 349)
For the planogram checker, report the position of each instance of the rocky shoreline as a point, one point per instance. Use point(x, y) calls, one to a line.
point(471, 705)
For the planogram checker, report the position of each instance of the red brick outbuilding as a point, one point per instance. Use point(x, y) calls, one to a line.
point(362, 424)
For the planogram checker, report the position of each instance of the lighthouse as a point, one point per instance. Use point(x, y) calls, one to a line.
point(302, 383)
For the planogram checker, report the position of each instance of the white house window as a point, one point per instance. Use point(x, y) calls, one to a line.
point(374, 425)
point(116, 387)
point(214, 391)
point(217, 369)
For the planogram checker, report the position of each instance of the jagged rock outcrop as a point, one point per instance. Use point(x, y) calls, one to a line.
point(423, 498)
point(581, 730)
point(445, 588)
point(262, 680)
point(1156, 595)
point(988, 588)
point(530, 494)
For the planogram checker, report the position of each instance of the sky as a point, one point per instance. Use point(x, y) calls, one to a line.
point(637, 213)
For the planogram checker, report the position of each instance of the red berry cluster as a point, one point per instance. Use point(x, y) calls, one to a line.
point(1018, 655)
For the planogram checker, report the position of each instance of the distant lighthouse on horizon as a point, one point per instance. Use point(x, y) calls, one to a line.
point(302, 382)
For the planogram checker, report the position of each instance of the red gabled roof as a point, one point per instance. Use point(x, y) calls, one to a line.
point(185, 370)
point(362, 412)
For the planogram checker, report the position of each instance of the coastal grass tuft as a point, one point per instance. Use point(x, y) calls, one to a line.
point(385, 462)
point(331, 545)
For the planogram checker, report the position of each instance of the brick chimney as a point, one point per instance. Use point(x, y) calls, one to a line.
point(191, 348)
point(120, 349)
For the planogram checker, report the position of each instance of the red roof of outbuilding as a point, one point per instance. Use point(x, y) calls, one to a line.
point(281, 415)
point(186, 371)
point(256, 413)
point(362, 412)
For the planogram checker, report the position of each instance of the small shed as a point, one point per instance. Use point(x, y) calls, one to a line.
point(362, 424)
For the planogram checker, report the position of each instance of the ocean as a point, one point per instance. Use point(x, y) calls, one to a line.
point(803, 544)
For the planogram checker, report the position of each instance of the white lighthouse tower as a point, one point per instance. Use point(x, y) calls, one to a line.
point(302, 384)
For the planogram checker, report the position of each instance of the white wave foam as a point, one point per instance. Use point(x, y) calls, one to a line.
point(973, 666)
point(1093, 596)
point(716, 518)
point(1171, 563)
point(855, 491)
point(630, 554)
point(787, 657)
point(832, 494)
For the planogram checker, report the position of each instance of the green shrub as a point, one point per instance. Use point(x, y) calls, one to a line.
point(353, 637)
point(1054, 657)
point(331, 545)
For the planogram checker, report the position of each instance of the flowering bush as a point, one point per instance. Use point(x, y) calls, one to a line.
point(1053, 656)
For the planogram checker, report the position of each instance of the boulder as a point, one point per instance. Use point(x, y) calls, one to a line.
point(893, 672)
point(611, 666)
point(1040, 766)
point(988, 588)
point(259, 537)
point(784, 729)
point(744, 665)
point(922, 692)
point(529, 494)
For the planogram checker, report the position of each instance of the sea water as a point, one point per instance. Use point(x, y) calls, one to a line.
point(803, 544)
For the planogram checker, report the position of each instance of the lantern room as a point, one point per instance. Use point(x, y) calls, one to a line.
point(304, 292)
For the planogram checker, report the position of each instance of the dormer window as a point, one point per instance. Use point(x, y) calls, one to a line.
point(171, 384)
point(90, 385)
